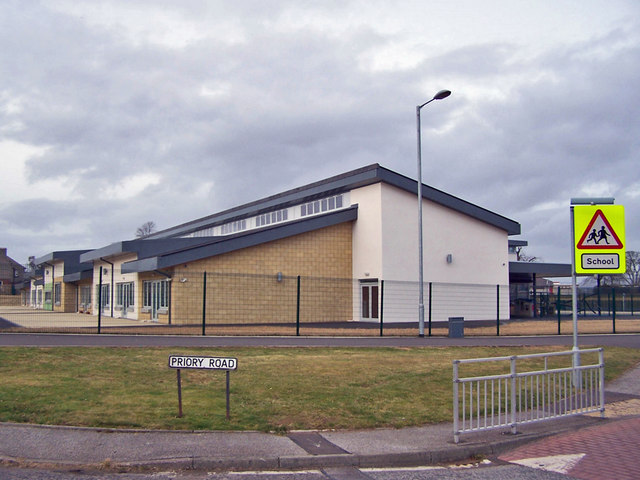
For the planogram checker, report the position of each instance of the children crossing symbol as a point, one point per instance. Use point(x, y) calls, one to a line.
point(599, 235)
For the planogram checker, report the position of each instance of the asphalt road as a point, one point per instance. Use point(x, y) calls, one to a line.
point(70, 340)
point(492, 472)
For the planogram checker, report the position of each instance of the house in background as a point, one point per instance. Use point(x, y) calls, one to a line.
point(353, 231)
point(11, 274)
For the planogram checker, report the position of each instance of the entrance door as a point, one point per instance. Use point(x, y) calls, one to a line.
point(369, 301)
point(125, 296)
point(156, 293)
point(156, 297)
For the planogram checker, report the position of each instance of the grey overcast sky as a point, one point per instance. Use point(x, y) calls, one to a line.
point(113, 113)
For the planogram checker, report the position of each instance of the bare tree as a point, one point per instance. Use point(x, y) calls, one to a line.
point(632, 276)
point(523, 257)
point(145, 229)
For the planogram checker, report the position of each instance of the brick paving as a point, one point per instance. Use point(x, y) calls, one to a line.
point(611, 451)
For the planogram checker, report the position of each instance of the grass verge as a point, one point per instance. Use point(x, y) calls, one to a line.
point(272, 390)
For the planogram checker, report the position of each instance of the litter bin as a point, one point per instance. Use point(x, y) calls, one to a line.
point(456, 327)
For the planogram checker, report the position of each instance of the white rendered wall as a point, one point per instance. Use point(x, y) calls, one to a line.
point(385, 246)
point(479, 251)
point(367, 232)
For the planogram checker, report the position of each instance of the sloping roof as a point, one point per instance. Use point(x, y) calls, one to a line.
point(71, 259)
point(212, 246)
point(339, 184)
point(141, 247)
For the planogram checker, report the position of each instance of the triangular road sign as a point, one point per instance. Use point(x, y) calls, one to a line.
point(599, 235)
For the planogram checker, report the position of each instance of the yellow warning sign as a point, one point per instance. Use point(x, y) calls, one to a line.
point(599, 239)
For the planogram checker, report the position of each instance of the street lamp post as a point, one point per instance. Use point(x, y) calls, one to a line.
point(438, 96)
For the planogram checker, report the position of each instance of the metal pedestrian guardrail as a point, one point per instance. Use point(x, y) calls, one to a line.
point(549, 390)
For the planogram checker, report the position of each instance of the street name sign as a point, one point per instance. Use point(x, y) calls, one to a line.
point(179, 362)
point(599, 239)
point(207, 363)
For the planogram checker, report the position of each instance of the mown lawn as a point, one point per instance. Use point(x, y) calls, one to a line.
point(272, 389)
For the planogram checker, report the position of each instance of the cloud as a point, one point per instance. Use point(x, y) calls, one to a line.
point(170, 111)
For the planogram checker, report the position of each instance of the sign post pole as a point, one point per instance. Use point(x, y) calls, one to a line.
point(179, 393)
point(597, 246)
point(574, 299)
point(203, 363)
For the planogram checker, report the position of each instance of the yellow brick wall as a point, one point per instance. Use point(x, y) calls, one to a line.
point(68, 297)
point(243, 287)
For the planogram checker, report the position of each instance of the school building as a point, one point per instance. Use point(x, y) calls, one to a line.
point(344, 236)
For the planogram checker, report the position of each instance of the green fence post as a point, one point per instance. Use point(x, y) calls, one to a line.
point(99, 299)
point(430, 297)
point(298, 309)
point(498, 309)
point(558, 305)
point(613, 298)
point(381, 306)
point(204, 303)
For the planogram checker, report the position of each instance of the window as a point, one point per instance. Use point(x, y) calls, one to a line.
point(155, 294)
point(124, 294)
point(57, 293)
point(272, 217)
point(104, 296)
point(233, 227)
point(319, 206)
point(85, 296)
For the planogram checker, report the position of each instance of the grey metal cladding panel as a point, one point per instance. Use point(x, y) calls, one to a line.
point(545, 269)
point(113, 249)
point(159, 246)
point(77, 276)
point(70, 256)
point(144, 265)
point(251, 239)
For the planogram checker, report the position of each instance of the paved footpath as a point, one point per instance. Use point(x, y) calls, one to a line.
point(610, 450)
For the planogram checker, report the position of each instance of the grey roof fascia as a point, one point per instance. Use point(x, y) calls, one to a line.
point(543, 269)
point(341, 183)
point(518, 243)
point(71, 256)
point(330, 186)
point(220, 245)
point(143, 265)
point(116, 248)
point(77, 276)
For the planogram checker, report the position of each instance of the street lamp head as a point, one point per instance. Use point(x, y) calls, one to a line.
point(442, 94)
point(438, 96)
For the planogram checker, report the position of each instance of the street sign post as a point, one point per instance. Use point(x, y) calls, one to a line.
point(179, 362)
point(597, 246)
